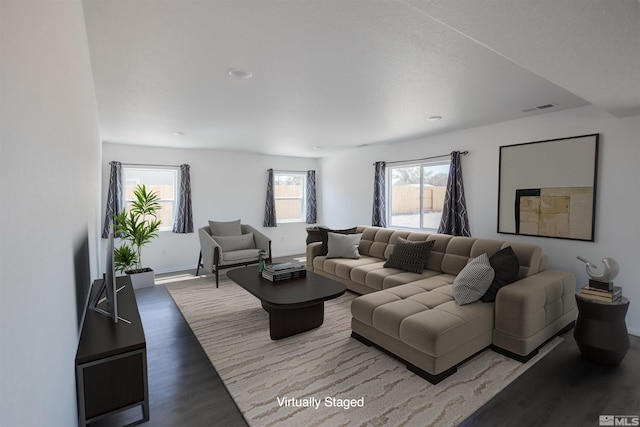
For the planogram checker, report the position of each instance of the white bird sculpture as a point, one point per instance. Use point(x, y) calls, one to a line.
point(611, 270)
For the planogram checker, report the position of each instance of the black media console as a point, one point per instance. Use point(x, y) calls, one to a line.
point(111, 362)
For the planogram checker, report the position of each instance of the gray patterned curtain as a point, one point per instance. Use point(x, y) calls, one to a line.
point(270, 205)
point(311, 197)
point(115, 197)
point(183, 222)
point(454, 219)
point(379, 217)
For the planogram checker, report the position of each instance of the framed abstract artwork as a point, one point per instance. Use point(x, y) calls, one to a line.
point(548, 188)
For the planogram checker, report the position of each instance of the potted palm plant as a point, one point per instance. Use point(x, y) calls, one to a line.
point(137, 227)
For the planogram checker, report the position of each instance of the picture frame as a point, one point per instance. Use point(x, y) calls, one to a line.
point(548, 188)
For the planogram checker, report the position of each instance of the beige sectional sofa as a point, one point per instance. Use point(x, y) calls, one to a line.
point(414, 316)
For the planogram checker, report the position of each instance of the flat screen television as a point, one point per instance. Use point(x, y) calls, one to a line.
point(105, 301)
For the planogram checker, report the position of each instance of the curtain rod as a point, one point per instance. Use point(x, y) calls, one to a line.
point(464, 153)
point(148, 164)
point(289, 171)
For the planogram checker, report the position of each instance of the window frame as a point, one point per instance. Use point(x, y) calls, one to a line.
point(389, 190)
point(176, 182)
point(303, 196)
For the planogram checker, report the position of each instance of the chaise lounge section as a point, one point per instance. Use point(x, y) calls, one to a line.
point(415, 316)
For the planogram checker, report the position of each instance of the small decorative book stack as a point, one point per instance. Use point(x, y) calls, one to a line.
point(283, 271)
point(600, 286)
point(598, 294)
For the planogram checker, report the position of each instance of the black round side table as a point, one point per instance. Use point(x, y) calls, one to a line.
point(601, 332)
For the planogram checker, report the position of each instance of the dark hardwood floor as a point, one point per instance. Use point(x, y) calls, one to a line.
point(184, 388)
point(561, 390)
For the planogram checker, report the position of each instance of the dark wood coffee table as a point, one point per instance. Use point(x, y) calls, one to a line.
point(294, 305)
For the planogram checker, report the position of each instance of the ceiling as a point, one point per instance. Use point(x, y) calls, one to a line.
point(330, 75)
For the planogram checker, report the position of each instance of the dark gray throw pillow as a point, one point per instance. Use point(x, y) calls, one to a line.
point(409, 256)
point(314, 234)
point(506, 265)
point(325, 238)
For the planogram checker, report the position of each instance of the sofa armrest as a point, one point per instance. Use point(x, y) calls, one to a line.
point(208, 248)
point(529, 305)
point(313, 250)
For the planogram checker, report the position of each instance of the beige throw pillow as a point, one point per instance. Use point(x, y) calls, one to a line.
point(343, 245)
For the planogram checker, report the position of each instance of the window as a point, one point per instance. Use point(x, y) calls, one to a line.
point(416, 194)
point(289, 191)
point(164, 181)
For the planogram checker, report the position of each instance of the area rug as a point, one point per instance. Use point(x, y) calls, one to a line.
point(324, 377)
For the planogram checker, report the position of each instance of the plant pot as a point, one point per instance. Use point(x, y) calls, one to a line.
point(142, 278)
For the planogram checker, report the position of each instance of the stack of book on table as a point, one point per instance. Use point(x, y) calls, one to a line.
point(602, 295)
point(283, 271)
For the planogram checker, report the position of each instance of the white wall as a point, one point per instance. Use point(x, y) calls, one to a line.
point(347, 200)
point(225, 186)
point(49, 183)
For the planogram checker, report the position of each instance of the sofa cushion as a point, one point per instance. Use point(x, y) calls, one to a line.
point(324, 234)
point(376, 240)
point(403, 277)
point(506, 265)
point(446, 327)
point(473, 281)
point(225, 228)
point(362, 307)
point(431, 322)
point(375, 277)
point(436, 281)
point(359, 273)
point(409, 256)
point(343, 245)
point(235, 243)
point(457, 255)
point(343, 266)
point(529, 256)
point(388, 317)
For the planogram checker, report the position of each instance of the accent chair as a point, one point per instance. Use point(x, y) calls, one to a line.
point(230, 244)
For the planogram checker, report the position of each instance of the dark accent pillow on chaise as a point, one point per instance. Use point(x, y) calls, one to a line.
point(506, 265)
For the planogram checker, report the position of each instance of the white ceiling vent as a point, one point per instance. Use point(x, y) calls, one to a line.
point(539, 107)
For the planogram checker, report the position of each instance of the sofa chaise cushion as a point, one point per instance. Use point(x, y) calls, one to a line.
point(431, 322)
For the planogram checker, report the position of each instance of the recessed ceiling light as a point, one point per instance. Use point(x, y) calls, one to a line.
point(434, 118)
point(178, 133)
point(239, 73)
point(317, 147)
